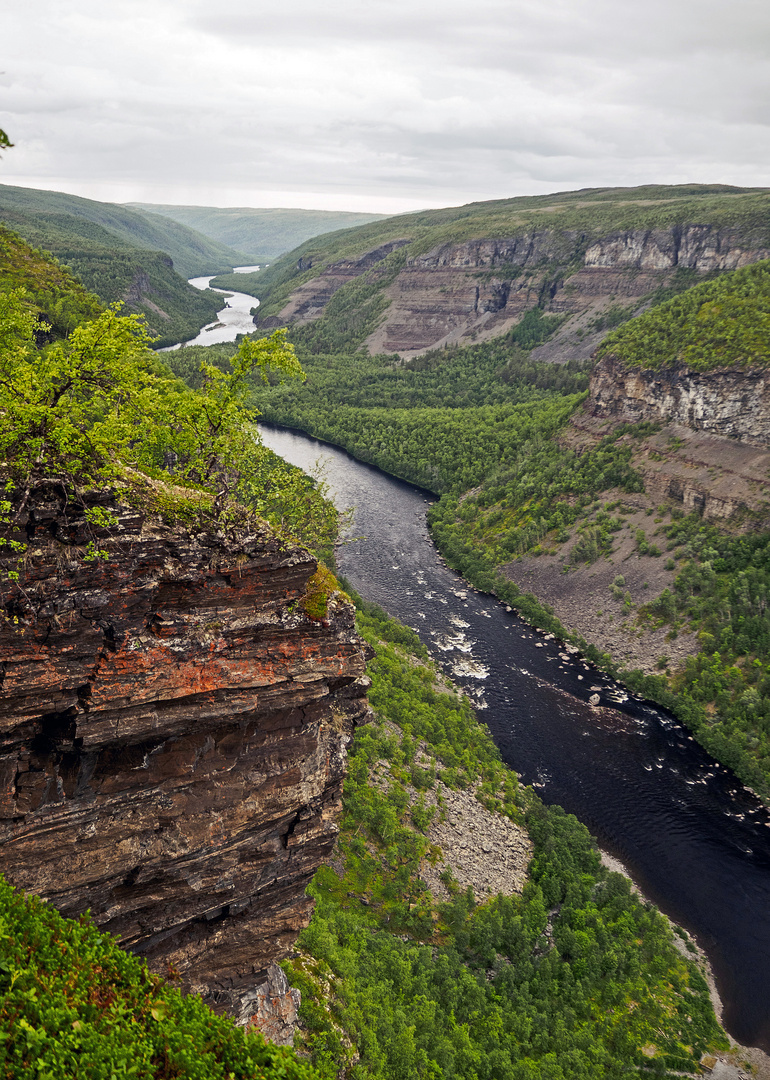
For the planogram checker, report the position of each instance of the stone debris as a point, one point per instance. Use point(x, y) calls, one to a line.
point(487, 851)
point(274, 1004)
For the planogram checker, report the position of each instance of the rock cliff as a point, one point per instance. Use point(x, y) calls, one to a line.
point(174, 732)
point(732, 401)
point(477, 289)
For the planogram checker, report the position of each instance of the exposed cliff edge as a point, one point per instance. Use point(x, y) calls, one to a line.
point(174, 732)
point(596, 257)
point(730, 401)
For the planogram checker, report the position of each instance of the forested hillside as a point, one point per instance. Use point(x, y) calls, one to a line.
point(192, 252)
point(531, 504)
point(262, 233)
point(573, 979)
point(140, 259)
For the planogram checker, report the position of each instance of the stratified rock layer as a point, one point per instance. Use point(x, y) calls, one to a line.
point(731, 401)
point(472, 290)
point(174, 730)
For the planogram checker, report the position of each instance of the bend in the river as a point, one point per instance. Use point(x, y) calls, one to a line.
point(235, 317)
point(692, 837)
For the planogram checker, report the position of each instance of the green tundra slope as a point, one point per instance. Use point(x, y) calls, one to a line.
point(193, 254)
point(117, 254)
point(262, 233)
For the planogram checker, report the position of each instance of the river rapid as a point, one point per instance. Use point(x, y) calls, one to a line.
point(695, 841)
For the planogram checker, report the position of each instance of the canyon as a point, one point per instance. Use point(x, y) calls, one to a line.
point(461, 292)
point(174, 734)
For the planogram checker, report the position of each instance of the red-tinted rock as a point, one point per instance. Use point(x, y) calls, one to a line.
point(173, 734)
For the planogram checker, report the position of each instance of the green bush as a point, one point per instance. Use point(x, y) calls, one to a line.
point(74, 1006)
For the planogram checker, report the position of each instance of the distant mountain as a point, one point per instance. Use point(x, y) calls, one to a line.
point(193, 254)
point(126, 255)
point(263, 234)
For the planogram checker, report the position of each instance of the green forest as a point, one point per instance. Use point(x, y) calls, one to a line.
point(715, 324)
point(125, 255)
point(574, 979)
point(75, 1006)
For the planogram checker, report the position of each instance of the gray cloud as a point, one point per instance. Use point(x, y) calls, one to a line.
point(388, 105)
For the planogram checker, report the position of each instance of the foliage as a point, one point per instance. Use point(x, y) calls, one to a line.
point(714, 324)
point(573, 979)
point(191, 252)
point(442, 421)
point(116, 270)
point(76, 1007)
point(51, 291)
point(98, 406)
point(493, 373)
point(354, 311)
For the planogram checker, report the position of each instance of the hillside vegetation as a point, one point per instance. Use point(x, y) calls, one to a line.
point(513, 488)
point(715, 324)
point(262, 234)
point(57, 298)
point(576, 978)
point(76, 1007)
point(193, 253)
point(95, 406)
point(123, 255)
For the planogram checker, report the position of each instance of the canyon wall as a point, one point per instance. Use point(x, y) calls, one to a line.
point(174, 732)
point(733, 402)
point(477, 289)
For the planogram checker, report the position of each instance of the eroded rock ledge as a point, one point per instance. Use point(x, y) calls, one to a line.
point(731, 401)
point(174, 733)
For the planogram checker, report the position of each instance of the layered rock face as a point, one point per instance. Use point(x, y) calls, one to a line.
point(734, 402)
point(174, 733)
point(477, 289)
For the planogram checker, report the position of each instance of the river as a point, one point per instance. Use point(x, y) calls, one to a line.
point(691, 836)
point(234, 318)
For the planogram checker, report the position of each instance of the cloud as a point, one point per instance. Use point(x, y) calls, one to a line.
point(390, 104)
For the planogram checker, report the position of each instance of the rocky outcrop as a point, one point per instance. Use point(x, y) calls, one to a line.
point(477, 289)
point(273, 1008)
point(734, 401)
point(308, 301)
point(174, 732)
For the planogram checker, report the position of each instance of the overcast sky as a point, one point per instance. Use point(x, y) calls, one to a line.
point(384, 106)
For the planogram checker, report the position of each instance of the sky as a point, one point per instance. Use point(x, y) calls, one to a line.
point(381, 106)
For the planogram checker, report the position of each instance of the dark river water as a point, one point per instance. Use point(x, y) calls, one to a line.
point(696, 842)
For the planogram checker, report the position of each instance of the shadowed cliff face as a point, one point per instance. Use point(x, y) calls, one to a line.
point(174, 733)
